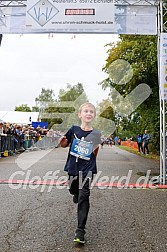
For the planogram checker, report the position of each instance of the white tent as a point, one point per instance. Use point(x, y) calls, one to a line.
point(19, 117)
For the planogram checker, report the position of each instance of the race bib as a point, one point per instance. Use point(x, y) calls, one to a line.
point(81, 149)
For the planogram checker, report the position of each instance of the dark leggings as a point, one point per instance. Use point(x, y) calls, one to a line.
point(145, 148)
point(140, 147)
point(83, 192)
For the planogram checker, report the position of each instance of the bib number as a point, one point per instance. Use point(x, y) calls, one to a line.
point(81, 149)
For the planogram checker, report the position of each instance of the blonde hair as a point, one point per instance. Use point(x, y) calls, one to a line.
point(89, 104)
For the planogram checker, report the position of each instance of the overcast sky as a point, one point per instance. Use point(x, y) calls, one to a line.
point(29, 63)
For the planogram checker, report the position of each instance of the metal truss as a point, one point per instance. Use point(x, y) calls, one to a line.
point(10, 4)
point(136, 2)
point(6, 3)
point(162, 18)
point(163, 15)
point(163, 142)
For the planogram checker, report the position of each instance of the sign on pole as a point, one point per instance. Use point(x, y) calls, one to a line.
point(163, 66)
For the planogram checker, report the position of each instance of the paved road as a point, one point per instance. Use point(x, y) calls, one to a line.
point(39, 218)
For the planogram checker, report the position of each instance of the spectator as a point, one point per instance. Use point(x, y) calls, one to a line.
point(146, 138)
point(1, 128)
point(115, 140)
point(139, 140)
point(119, 141)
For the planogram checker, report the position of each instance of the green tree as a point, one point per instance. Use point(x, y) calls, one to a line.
point(70, 100)
point(141, 53)
point(43, 104)
point(46, 96)
point(23, 108)
point(35, 109)
point(105, 118)
point(64, 109)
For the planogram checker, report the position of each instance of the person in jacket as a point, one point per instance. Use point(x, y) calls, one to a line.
point(146, 139)
point(139, 140)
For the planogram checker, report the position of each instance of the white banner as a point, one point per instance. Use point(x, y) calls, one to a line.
point(71, 15)
point(128, 19)
point(163, 66)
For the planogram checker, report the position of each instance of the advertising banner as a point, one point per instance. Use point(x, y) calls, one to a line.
point(71, 15)
point(163, 66)
point(79, 16)
point(40, 124)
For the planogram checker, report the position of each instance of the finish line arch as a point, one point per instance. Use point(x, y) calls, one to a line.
point(143, 17)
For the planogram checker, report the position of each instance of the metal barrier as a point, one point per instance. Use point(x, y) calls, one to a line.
point(11, 144)
point(7, 144)
point(46, 142)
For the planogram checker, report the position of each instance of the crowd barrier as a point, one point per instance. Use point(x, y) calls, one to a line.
point(10, 144)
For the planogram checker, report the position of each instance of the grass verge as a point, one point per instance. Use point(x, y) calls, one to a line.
point(151, 155)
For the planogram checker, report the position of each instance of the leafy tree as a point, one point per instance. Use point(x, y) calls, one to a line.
point(46, 96)
point(35, 109)
point(68, 104)
point(61, 113)
point(105, 118)
point(43, 103)
point(72, 92)
point(23, 108)
point(141, 53)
